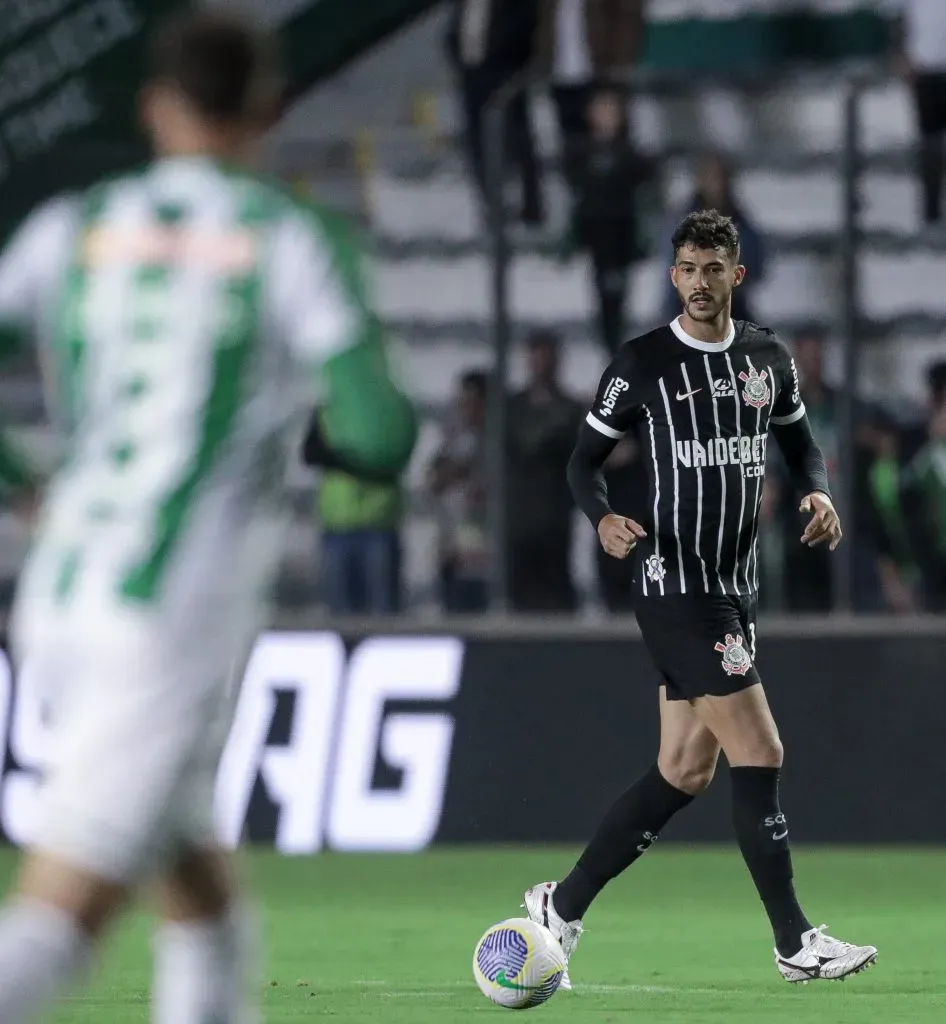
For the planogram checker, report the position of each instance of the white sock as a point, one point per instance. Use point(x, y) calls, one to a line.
point(42, 951)
point(204, 973)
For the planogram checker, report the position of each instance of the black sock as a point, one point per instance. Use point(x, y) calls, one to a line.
point(628, 830)
point(762, 833)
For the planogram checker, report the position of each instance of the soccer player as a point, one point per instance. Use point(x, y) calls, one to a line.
point(701, 397)
point(182, 313)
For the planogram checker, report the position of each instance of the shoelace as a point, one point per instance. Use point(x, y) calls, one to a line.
point(828, 943)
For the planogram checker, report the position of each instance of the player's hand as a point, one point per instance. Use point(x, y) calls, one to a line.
point(825, 523)
point(619, 536)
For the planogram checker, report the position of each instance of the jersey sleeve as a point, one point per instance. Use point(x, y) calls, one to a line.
point(334, 332)
point(31, 268)
point(617, 404)
point(788, 407)
point(313, 312)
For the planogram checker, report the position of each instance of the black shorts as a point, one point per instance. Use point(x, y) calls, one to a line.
point(701, 644)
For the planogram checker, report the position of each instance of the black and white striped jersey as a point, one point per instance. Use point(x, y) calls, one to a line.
point(700, 413)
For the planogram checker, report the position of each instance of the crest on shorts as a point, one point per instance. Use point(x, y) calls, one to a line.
point(654, 567)
point(756, 391)
point(736, 660)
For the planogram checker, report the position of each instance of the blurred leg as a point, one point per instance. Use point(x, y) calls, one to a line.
point(206, 948)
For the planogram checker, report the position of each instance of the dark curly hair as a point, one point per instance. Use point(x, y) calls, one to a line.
point(707, 229)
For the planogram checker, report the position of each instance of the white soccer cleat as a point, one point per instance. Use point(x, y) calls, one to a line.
point(538, 904)
point(824, 958)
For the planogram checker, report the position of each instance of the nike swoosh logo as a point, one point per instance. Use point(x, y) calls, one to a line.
point(689, 394)
point(503, 982)
point(780, 835)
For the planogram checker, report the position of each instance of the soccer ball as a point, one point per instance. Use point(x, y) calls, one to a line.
point(518, 964)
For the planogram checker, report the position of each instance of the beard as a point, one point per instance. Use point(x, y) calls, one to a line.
point(706, 310)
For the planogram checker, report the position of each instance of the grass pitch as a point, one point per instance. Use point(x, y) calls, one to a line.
point(680, 939)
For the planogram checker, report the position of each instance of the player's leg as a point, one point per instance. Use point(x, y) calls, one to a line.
point(684, 768)
point(742, 722)
point(73, 877)
point(48, 926)
point(206, 946)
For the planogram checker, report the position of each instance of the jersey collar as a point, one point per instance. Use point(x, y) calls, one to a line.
point(703, 346)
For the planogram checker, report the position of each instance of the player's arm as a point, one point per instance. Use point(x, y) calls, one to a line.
point(804, 462)
point(317, 452)
point(364, 425)
point(613, 412)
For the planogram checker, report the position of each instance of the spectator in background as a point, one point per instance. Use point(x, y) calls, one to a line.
point(361, 543)
point(921, 58)
point(583, 45)
point(360, 509)
point(611, 181)
point(542, 426)
point(489, 42)
point(924, 497)
point(714, 191)
point(457, 480)
point(897, 571)
point(807, 576)
point(807, 579)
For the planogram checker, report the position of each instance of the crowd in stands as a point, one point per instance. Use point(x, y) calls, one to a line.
point(618, 217)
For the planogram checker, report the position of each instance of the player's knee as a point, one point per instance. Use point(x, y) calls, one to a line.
point(199, 886)
point(758, 752)
point(690, 772)
point(89, 899)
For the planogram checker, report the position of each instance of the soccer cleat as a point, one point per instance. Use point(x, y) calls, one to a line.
point(822, 957)
point(538, 903)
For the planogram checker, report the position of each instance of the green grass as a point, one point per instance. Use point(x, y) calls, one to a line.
point(681, 939)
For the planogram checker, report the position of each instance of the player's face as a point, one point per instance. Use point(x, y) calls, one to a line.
point(704, 279)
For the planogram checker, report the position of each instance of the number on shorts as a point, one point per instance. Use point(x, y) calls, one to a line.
point(752, 640)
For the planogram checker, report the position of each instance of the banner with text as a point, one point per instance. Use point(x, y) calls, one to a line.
point(391, 743)
point(69, 74)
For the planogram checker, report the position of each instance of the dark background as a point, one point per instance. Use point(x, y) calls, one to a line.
point(548, 732)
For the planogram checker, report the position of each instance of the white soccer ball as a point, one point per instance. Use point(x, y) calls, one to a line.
point(518, 964)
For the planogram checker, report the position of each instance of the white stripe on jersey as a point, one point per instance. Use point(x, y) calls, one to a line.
point(758, 483)
point(603, 428)
point(754, 551)
point(676, 486)
point(742, 479)
point(793, 417)
point(653, 455)
point(722, 477)
point(699, 475)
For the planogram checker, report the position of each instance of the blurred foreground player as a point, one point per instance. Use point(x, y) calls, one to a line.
point(184, 313)
point(700, 397)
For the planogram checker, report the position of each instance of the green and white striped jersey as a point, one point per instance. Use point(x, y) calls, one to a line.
point(183, 316)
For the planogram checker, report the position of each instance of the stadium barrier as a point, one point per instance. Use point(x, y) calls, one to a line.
point(396, 741)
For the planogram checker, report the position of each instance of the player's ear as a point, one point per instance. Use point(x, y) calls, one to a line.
point(739, 275)
point(673, 274)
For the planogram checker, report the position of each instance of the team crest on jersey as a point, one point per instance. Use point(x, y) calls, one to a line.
point(654, 567)
point(736, 660)
point(756, 391)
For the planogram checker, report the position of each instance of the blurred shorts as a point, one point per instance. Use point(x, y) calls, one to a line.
point(138, 721)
